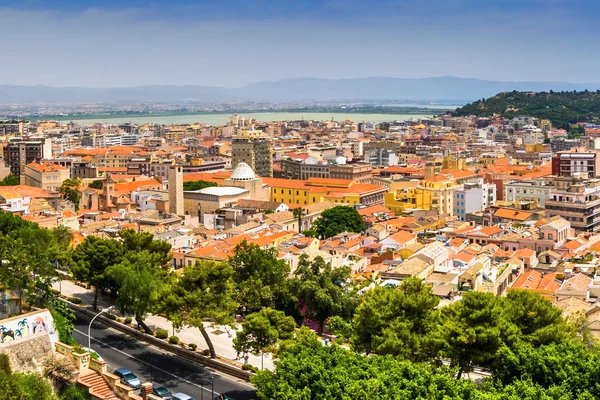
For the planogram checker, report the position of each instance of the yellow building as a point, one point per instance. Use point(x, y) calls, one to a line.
point(317, 190)
point(431, 193)
point(408, 198)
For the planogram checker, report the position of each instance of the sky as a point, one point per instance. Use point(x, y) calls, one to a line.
point(230, 43)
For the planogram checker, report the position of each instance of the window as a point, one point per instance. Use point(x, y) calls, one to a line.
point(549, 236)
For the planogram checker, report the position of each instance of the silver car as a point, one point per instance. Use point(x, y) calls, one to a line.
point(128, 378)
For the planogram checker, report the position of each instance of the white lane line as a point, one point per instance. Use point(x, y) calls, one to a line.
point(150, 365)
point(226, 377)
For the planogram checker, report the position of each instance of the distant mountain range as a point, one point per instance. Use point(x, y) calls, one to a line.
point(301, 89)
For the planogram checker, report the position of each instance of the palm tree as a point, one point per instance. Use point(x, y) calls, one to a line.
point(299, 213)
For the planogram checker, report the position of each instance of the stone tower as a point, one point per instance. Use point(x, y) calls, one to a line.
point(176, 190)
point(109, 191)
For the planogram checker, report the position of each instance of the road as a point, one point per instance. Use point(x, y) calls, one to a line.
point(153, 365)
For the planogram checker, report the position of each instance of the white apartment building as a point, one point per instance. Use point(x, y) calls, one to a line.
point(472, 197)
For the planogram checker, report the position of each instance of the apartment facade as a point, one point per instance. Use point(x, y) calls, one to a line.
point(577, 201)
point(310, 168)
point(45, 175)
point(473, 197)
point(19, 152)
point(576, 161)
point(254, 149)
point(527, 190)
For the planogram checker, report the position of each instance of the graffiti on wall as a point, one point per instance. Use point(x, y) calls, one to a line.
point(28, 325)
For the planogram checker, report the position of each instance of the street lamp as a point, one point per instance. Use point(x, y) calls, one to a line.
point(92, 321)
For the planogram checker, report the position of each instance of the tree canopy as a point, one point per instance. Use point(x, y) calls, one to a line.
point(261, 331)
point(10, 180)
point(197, 185)
point(203, 292)
point(92, 258)
point(561, 108)
point(401, 321)
point(323, 291)
point(336, 220)
point(69, 190)
point(260, 276)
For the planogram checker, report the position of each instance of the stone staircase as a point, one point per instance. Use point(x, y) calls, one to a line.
point(98, 387)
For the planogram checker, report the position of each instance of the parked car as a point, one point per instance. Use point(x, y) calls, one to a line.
point(128, 378)
point(182, 396)
point(93, 354)
point(162, 392)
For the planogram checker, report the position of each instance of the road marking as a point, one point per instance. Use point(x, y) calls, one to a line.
point(150, 365)
point(226, 377)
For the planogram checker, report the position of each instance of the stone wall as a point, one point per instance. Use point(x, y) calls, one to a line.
point(27, 354)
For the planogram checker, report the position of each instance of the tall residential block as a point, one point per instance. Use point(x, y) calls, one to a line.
point(19, 152)
point(578, 160)
point(253, 148)
point(175, 177)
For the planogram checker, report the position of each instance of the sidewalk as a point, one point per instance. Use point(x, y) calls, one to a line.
point(222, 337)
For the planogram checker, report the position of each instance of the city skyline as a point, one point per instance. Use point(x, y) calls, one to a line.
point(234, 43)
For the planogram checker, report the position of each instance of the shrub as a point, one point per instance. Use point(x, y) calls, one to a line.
point(206, 352)
point(162, 333)
point(54, 292)
point(173, 340)
point(127, 320)
point(74, 393)
point(4, 364)
point(249, 367)
point(112, 316)
point(193, 346)
point(75, 300)
point(183, 345)
point(120, 320)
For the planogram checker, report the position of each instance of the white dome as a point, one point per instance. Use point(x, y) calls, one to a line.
point(242, 172)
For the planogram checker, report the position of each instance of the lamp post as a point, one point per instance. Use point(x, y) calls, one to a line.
point(92, 321)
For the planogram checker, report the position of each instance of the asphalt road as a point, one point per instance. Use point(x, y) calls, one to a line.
point(153, 365)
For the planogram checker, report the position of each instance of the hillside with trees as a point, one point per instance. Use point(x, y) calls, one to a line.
point(562, 108)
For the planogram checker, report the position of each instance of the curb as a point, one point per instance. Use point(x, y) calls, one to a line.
point(171, 348)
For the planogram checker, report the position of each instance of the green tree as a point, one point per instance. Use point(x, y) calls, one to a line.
point(401, 321)
point(69, 190)
point(17, 272)
point(134, 242)
point(260, 276)
point(91, 259)
point(10, 180)
point(336, 220)
point(306, 370)
point(197, 185)
point(140, 281)
point(473, 331)
point(261, 331)
point(97, 184)
point(536, 320)
point(203, 292)
point(323, 291)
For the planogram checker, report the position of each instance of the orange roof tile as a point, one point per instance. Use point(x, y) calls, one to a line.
point(512, 214)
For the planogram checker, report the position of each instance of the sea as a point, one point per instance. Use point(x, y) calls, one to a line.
point(220, 118)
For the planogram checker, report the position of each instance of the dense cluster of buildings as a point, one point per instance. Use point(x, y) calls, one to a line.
point(487, 204)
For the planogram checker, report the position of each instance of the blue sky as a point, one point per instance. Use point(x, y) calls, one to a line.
point(233, 42)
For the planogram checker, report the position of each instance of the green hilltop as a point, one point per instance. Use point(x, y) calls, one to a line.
point(561, 108)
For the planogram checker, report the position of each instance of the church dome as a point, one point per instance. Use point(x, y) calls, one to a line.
point(242, 172)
